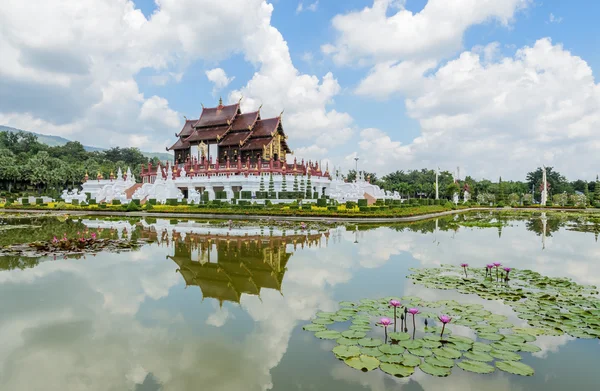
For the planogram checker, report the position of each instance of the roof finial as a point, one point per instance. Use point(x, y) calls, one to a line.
point(241, 97)
point(185, 117)
point(202, 106)
point(220, 101)
point(260, 107)
point(280, 114)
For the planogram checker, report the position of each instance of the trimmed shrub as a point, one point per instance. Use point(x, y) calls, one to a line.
point(152, 201)
point(88, 195)
point(244, 203)
point(205, 196)
point(114, 202)
point(306, 207)
point(171, 201)
point(362, 203)
point(93, 201)
point(39, 201)
point(333, 208)
point(132, 207)
point(379, 201)
point(25, 201)
point(548, 203)
point(350, 204)
point(184, 201)
point(101, 206)
point(271, 195)
point(148, 206)
point(246, 195)
point(321, 202)
point(133, 201)
point(261, 194)
point(363, 208)
point(315, 195)
point(293, 207)
point(73, 202)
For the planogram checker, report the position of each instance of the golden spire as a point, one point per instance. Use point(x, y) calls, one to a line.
point(281, 114)
point(220, 101)
point(241, 97)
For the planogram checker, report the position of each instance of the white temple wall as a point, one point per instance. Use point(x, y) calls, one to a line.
point(213, 152)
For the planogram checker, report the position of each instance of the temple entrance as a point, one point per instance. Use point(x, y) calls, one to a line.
point(185, 192)
point(275, 157)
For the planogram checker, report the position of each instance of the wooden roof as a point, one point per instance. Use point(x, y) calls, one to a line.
point(245, 121)
point(220, 115)
point(232, 139)
point(256, 143)
point(266, 127)
point(210, 133)
point(188, 128)
point(179, 144)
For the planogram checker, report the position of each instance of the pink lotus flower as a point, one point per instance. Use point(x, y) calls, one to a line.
point(394, 303)
point(497, 264)
point(464, 265)
point(55, 240)
point(414, 311)
point(444, 319)
point(93, 236)
point(507, 269)
point(385, 321)
point(82, 239)
point(489, 266)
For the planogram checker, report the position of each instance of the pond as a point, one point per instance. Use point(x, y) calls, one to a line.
point(221, 306)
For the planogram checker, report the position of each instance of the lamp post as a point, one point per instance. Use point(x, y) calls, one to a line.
point(356, 170)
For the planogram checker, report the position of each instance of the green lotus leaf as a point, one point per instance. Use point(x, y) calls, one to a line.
point(458, 338)
point(391, 358)
point(325, 314)
point(354, 334)
point(359, 327)
point(478, 356)
point(438, 330)
point(391, 349)
point(502, 325)
point(396, 370)
point(475, 319)
point(505, 355)
point(435, 370)
point(490, 336)
point(447, 352)
point(328, 334)
point(496, 318)
point(346, 304)
point(399, 336)
point(346, 341)
point(375, 352)
point(515, 367)
point(527, 337)
point(481, 347)
point(370, 342)
point(314, 327)
point(339, 318)
point(580, 333)
point(323, 321)
point(411, 344)
point(529, 348)
point(459, 345)
point(476, 366)
point(342, 351)
point(485, 329)
point(528, 330)
point(513, 338)
point(420, 352)
point(410, 360)
point(368, 301)
point(363, 363)
point(506, 346)
point(431, 344)
point(440, 361)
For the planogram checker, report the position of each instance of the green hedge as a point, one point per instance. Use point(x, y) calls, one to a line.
point(152, 201)
point(171, 201)
point(350, 204)
point(332, 208)
point(362, 203)
point(24, 201)
point(221, 195)
point(321, 202)
point(246, 195)
point(137, 202)
point(363, 208)
point(306, 207)
point(73, 202)
point(288, 195)
point(261, 195)
point(315, 195)
point(114, 202)
point(39, 201)
point(93, 201)
point(293, 207)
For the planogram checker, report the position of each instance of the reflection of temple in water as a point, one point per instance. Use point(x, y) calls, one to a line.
point(226, 266)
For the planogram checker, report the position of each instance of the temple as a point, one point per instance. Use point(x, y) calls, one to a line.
point(229, 155)
point(223, 134)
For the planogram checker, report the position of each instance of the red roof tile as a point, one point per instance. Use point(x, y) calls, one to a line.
point(265, 127)
point(256, 143)
point(208, 133)
point(187, 128)
point(179, 145)
point(217, 116)
point(243, 121)
point(234, 138)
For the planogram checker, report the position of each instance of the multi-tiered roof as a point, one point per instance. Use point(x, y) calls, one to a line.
point(229, 128)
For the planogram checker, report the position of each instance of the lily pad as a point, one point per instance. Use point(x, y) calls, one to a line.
point(506, 346)
point(513, 338)
point(375, 352)
point(359, 327)
point(478, 356)
point(505, 355)
point(391, 358)
point(458, 338)
point(490, 336)
point(342, 351)
point(314, 327)
point(323, 321)
point(391, 349)
point(447, 352)
point(476, 366)
point(435, 370)
point(346, 341)
point(515, 367)
point(529, 348)
point(420, 352)
point(370, 342)
point(363, 363)
point(410, 360)
point(354, 334)
point(481, 347)
point(328, 334)
point(396, 369)
point(411, 344)
point(394, 336)
point(440, 361)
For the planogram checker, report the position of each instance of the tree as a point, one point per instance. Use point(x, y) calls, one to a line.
point(262, 184)
point(271, 184)
point(586, 192)
point(452, 189)
point(284, 183)
point(302, 184)
point(558, 183)
point(295, 183)
point(309, 188)
point(597, 191)
point(501, 196)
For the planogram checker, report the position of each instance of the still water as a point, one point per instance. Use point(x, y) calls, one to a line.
point(206, 306)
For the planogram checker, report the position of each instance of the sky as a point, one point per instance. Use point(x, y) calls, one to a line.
point(495, 87)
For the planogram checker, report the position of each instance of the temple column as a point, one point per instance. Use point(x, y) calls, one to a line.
point(229, 191)
point(211, 192)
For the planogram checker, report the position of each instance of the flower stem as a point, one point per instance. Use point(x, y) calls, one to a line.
point(465, 272)
point(385, 329)
point(442, 333)
point(395, 319)
point(414, 326)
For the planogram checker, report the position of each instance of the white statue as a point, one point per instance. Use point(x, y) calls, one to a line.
point(194, 196)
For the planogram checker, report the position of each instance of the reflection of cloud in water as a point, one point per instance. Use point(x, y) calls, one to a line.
point(219, 317)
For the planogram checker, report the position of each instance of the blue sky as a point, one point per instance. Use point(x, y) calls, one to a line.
point(389, 94)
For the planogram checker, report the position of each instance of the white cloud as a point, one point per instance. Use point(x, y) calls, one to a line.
point(311, 7)
point(219, 78)
point(433, 33)
point(541, 106)
point(554, 19)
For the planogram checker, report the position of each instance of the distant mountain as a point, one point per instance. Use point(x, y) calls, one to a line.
point(54, 141)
